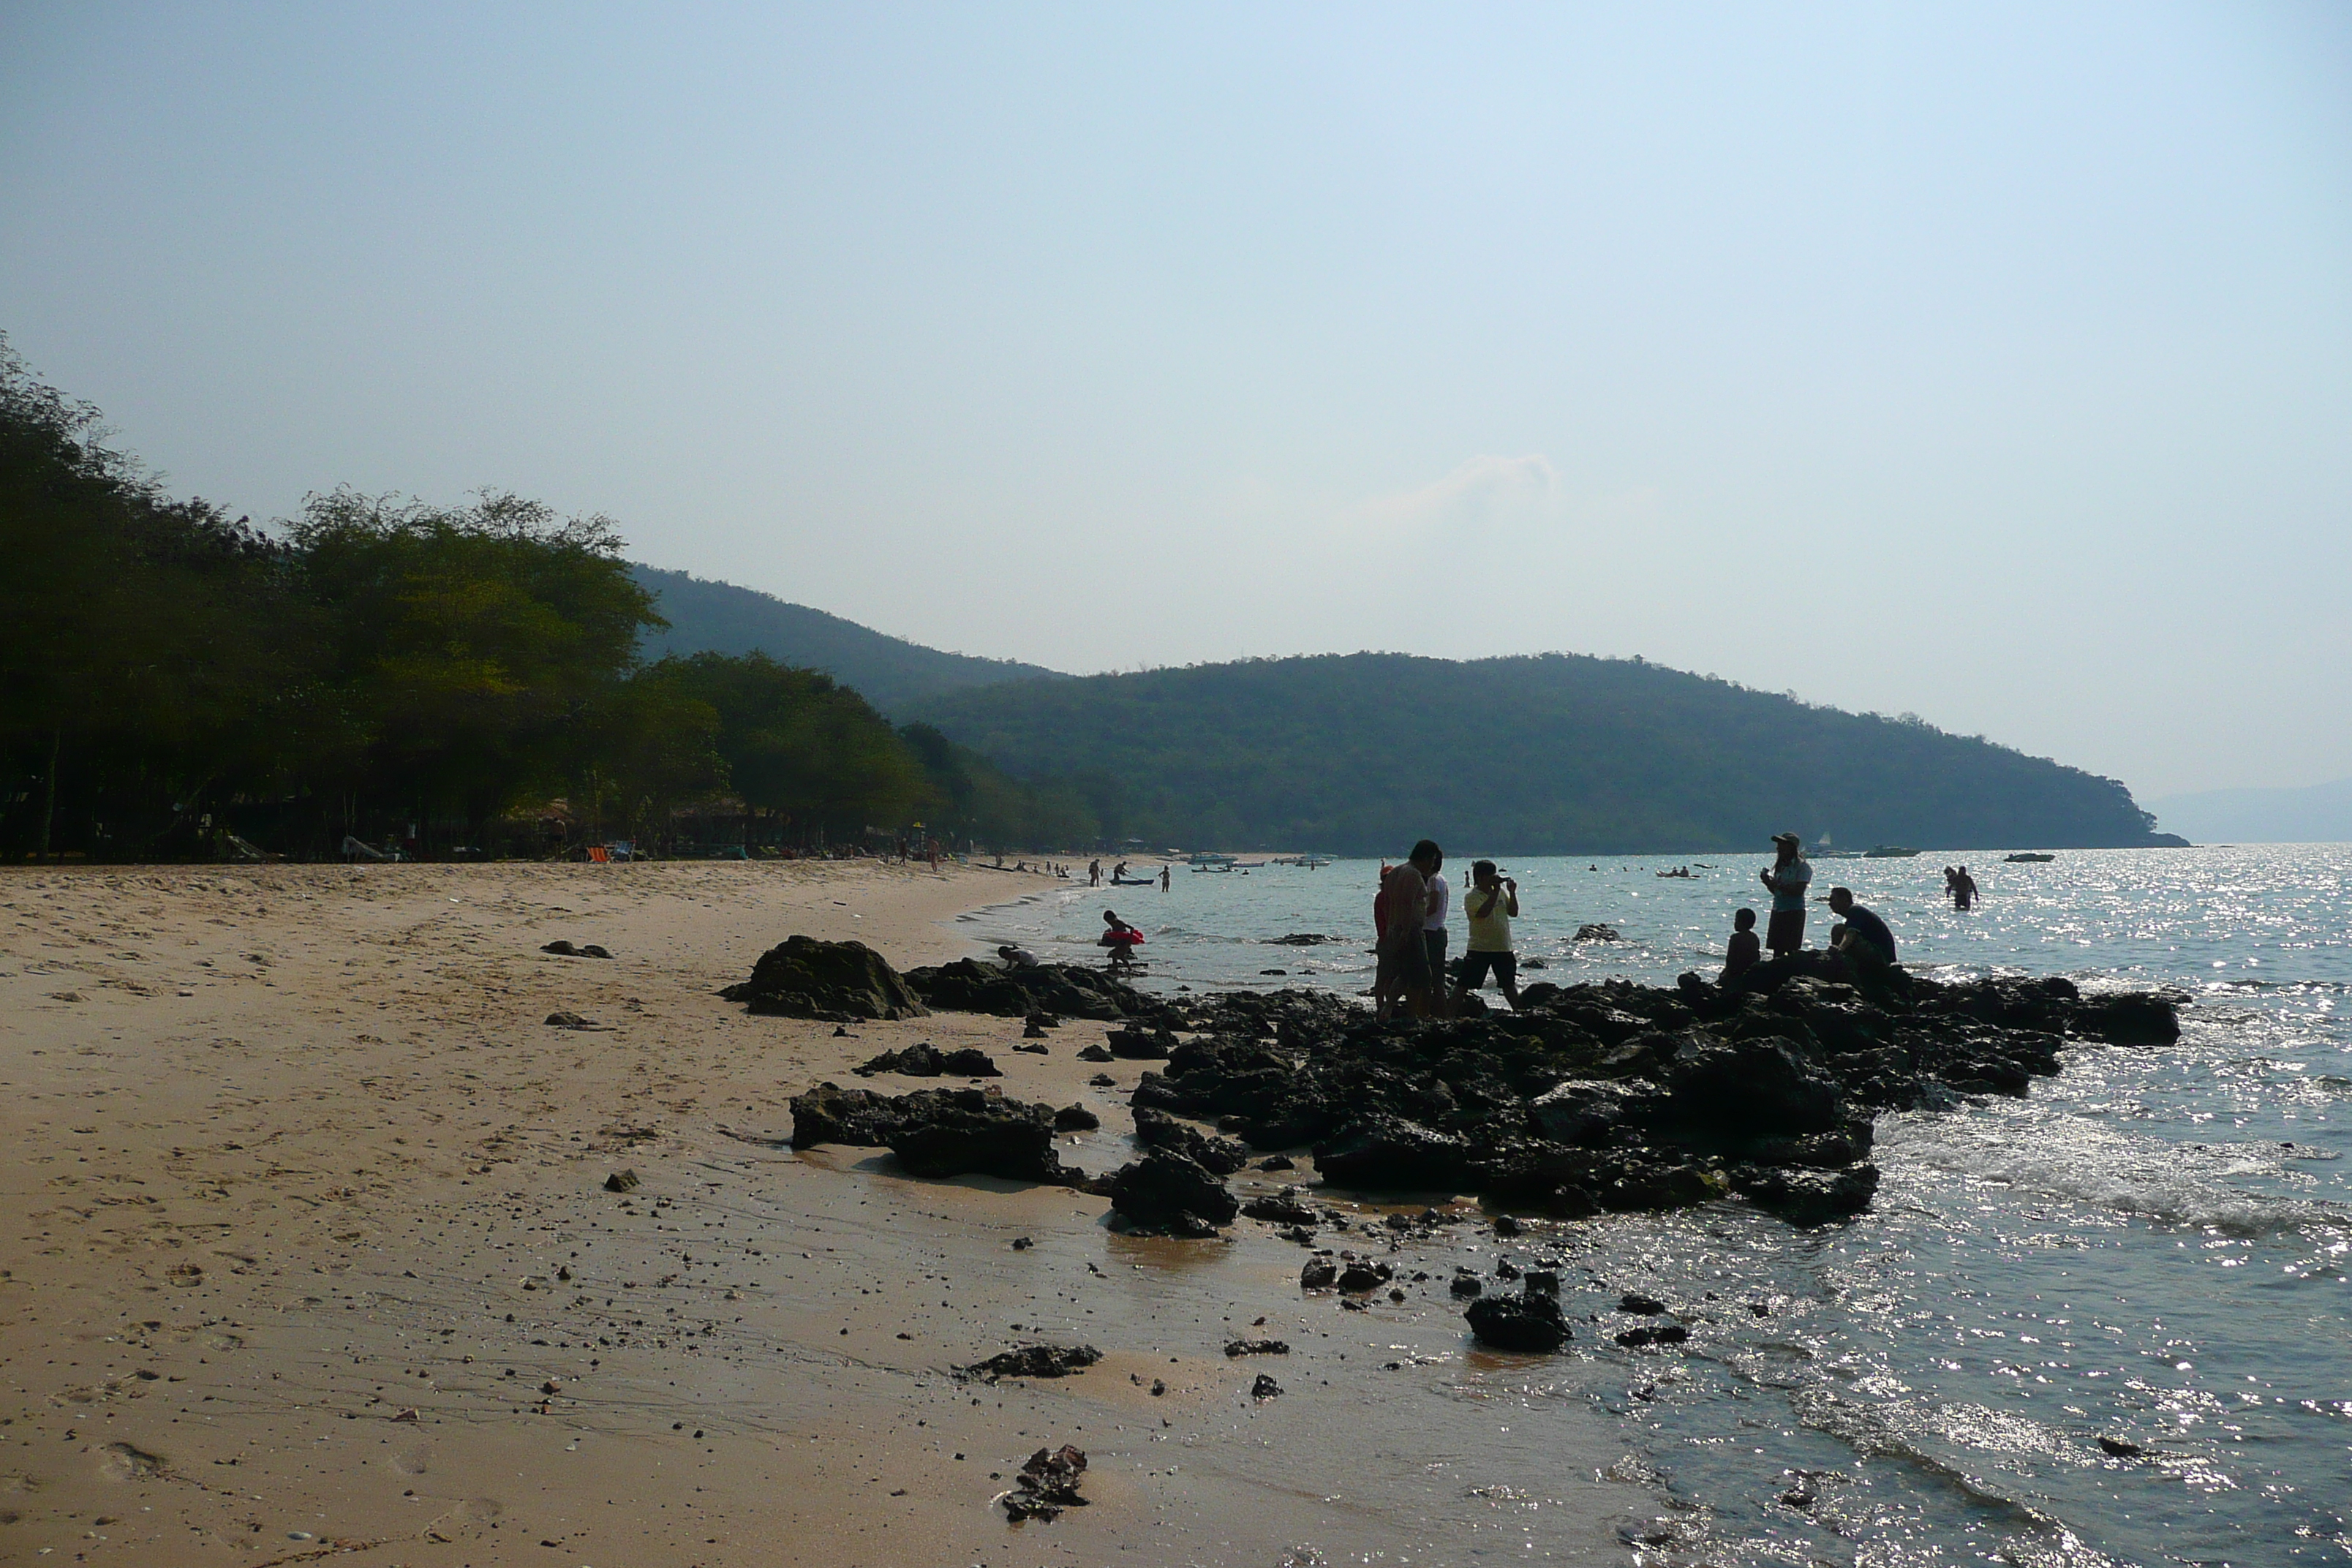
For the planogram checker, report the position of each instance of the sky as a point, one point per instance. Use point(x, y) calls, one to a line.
point(1984, 362)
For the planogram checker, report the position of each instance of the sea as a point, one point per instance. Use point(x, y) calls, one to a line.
point(2109, 1322)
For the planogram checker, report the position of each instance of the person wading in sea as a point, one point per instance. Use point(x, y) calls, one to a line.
point(1790, 875)
point(1964, 890)
point(1403, 952)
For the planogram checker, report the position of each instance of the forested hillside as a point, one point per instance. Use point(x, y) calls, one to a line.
point(1362, 753)
point(890, 672)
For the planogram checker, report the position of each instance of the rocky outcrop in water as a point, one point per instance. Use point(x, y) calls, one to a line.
point(1530, 1321)
point(1618, 1096)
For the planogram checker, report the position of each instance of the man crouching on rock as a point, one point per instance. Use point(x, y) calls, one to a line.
point(1864, 941)
point(1404, 957)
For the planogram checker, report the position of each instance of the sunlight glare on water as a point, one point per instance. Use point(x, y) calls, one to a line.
point(2107, 1323)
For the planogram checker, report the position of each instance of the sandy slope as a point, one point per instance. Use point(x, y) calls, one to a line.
point(310, 1258)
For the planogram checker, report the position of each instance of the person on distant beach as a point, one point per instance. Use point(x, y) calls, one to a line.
point(1494, 899)
point(1964, 890)
point(1863, 939)
point(1121, 938)
point(1403, 910)
point(1788, 877)
point(1745, 951)
point(1164, 879)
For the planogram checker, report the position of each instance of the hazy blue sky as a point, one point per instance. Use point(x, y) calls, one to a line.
point(1993, 362)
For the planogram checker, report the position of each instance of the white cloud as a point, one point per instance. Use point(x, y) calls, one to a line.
point(1485, 493)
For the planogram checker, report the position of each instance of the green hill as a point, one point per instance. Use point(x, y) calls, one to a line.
point(887, 671)
point(1362, 753)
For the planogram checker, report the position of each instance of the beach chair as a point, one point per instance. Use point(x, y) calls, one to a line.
point(598, 854)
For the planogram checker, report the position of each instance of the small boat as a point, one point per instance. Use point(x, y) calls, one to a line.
point(1888, 852)
point(1248, 866)
point(2031, 858)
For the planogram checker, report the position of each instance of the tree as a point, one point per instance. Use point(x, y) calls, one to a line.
point(469, 646)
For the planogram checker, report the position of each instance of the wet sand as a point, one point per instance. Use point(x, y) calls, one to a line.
point(311, 1258)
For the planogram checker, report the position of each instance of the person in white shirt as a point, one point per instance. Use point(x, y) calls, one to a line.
point(1433, 933)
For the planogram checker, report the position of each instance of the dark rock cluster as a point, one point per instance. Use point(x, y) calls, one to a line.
point(1066, 990)
point(1618, 1096)
point(926, 1060)
point(836, 981)
point(1048, 1483)
point(1589, 1097)
point(938, 1131)
point(1031, 1361)
point(1168, 1193)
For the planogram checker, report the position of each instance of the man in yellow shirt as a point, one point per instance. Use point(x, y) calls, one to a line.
point(1494, 899)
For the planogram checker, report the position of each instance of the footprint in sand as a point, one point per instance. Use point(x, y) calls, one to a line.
point(123, 1462)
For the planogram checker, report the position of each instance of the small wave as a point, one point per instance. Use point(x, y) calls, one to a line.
point(2146, 1178)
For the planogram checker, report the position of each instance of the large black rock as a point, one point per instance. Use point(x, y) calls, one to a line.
point(1808, 1196)
point(1157, 1130)
point(1069, 991)
point(976, 1132)
point(1169, 1192)
point(926, 1060)
point(1382, 1153)
point(1531, 1321)
point(2133, 1018)
point(832, 1114)
point(1752, 1088)
point(836, 981)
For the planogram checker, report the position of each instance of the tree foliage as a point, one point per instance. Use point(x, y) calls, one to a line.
point(378, 662)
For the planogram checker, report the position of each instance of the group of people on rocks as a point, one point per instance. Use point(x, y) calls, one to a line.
point(1415, 899)
point(1860, 941)
point(1410, 910)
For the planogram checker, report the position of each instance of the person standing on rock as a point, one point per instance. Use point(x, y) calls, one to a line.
point(1404, 951)
point(1493, 900)
point(1789, 876)
point(1433, 933)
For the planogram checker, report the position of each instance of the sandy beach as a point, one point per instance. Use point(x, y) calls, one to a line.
point(312, 1255)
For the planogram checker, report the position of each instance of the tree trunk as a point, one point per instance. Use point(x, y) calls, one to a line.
point(49, 787)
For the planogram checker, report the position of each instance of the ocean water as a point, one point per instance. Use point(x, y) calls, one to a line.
point(2150, 1249)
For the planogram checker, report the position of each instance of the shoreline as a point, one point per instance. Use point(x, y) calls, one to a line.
point(299, 1144)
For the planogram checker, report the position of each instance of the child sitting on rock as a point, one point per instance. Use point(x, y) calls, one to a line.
point(1745, 951)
